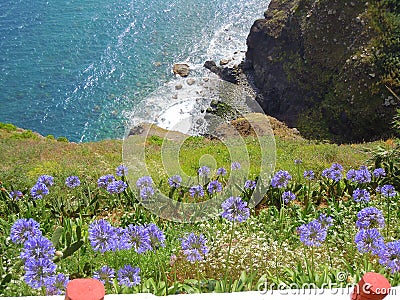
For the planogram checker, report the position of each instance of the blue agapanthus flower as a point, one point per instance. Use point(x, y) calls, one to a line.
point(203, 171)
point(39, 190)
point(194, 247)
point(56, 285)
point(281, 179)
point(235, 209)
point(156, 235)
point(235, 165)
point(361, 195)
point(369, 241)
point(102, 236)
point(46, 180)
point(121, 171)
point(370, 217)
point(138, 238)
point(288, 196)
point(145, 181)
point(388, 191)
point(325, 221)
point(298, 161)
point(363, 175)
point(37, 247)
point(175, 181)
point(309, 175)
point(128, 276)
point(122, 239)
point(389, 256)
point(105, 274)
point(72, 182)
point(250, 184)
point(379, 172)
point(105, 180)
point(196, 191)
point(312, 234)
point(116, 187)
point(221, 171)
point(146, 192)
point(351, 175)
point(334, 172)
point(37, 271)
point(214, 187)
point(22, 229)
point(16, 195)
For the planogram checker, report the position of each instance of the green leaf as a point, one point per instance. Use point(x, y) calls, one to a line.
point(68, 238)
point(78, 231)
point(55, 239)
point(6, 280)
point(70, 250)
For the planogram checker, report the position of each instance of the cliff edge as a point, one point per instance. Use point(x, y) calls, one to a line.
point(329, 67)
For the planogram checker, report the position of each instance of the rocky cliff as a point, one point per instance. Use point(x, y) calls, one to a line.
point(318, 66)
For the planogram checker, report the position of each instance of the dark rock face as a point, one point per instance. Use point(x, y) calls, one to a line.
point(225, 73)
point(312, 62)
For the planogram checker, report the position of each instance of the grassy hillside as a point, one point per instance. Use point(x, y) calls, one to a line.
point(25, 155)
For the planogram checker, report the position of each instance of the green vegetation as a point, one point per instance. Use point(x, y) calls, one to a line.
point(265, 247)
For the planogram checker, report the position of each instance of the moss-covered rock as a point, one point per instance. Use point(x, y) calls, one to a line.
point(328, 67)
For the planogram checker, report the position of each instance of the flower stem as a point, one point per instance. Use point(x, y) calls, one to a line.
point(227, 257)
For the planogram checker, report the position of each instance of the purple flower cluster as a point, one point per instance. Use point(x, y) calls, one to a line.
point(121, 171)
point(370, 217)
point(22, 229)
point(46, 180)
point(388, 191)
point(102, 236)
point(196, 191)
point(175, 181)
point(389, 256)
point(235, 209)
point(105, 275)
point(145, 185)
point(116, 187)
point(16, 195)
point(221, 171)
point(214, 187)
point(369, 241)
point(37, 254)
point(281, 179)
point(361, 195)
point(362, 175)
point(156, 235)
point(111, 184)
point(309, 175)
point(288, 196)
point(105, 237)
point(138, 238)
point(127, 275)
point(72, 182)
point(105, 180)
point(235, 165)
point(325, 221)
point(194, 247)
point(41, 188)
point(203, 171)
point(334, 172)
point(379, 172)
point(313, 233)
point(250, 184)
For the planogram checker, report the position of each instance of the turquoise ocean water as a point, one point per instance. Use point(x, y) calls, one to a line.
point(81, 68)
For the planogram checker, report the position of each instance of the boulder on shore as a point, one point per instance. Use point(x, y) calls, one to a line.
point(181, 69)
